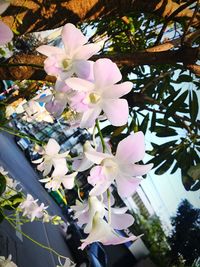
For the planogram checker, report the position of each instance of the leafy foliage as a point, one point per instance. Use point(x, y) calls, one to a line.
point(153, 236)
point(184, 239)
point(164, 100)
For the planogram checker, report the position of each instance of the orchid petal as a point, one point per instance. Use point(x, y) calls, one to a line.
point(96, 176)
point(6, 34)
point(138, 170)
point(89, 117)
point(93, 155)
point(52, 147)
point(83, 219)
point(127, 186)
point(121, 221)
point(68, 180)
point(84, 69)
point(94, 206)
point(100, 188)
point(37, 161)
point(72, 38)
point(82, 164)
point(46, 168)
point(131, 149)
point(80, 85)
point(55, 107)
point(48, 50)
point(86, 51)
point(118, 90)
point(102, 232)
point(45, 180)
point(61, 86)
point(119, 210)
point(116, 111)
point(60, 167)
point(106, 73)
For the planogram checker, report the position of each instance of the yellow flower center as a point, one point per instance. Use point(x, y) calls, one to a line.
point(66, 64)
point(94, 98)
point(110, 166)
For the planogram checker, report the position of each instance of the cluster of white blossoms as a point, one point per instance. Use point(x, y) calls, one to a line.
point(52, 159)
point(31, 209)
point(100, 219)
point(93, 91)
point(28, 206)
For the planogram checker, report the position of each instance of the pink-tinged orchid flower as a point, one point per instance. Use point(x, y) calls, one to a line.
point(85, 213)
point(120, 168)
point(31, 209)
point(6, 34)
point(104, 233)
point(55, 181)
point(56, 103)
point(73, 59)
point(102, 95)
point(52, 158)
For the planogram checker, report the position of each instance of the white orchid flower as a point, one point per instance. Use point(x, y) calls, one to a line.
point(120, 167)
point(59, 178)
point(104, 233)
point(31, 209)
point(103, 94)
point(73, 59)
point(85, 212)
point(52, 158)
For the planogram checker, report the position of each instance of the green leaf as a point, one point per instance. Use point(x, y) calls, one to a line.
point(194, 172)
point(164, 131)
point(144, 124)
point(195, 187)
point(153, 122)
point(13, 201)
point(175, 168)
point(16, 31)
point(175, 106)
point(187, 182)
point(184, 78)
point(170, 98)
point(106, 131)
point(2, 184)
point(159, 159)
point(119, 130)
point(165, 166)
point(193, 106)
point(167, 122)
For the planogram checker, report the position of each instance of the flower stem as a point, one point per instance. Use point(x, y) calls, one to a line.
point(10, 131)
point(31, 239)
point(101, 136)
point(109, 206)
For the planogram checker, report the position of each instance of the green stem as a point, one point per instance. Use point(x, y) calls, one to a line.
point(109, 206)
point(101, 136)
point(31, 239)
point(22, 135)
